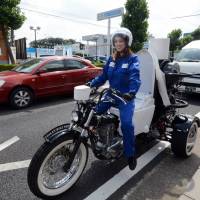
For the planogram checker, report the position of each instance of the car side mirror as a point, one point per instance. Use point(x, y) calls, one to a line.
point(41, 71)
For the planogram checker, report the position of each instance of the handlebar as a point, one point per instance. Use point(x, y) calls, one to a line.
point(114, 92)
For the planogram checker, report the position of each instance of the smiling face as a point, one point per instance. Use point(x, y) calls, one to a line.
point(119, 44)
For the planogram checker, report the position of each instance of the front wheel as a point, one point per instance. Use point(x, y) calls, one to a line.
point(46, 177)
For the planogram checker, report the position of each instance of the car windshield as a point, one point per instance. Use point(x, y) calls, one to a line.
point(103, 58)
point(188, 55)
point(28, 66)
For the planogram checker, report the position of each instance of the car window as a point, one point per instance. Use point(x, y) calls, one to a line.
point(188, 55)
point(56, 65)
point(73, 64)
point(28, 66)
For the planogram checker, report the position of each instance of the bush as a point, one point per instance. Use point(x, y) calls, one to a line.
point(4, 67)
point(98, 64)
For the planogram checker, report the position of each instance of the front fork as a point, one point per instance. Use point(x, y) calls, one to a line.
point(78, 141)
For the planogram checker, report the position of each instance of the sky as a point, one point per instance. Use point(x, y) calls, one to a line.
point(76, 18)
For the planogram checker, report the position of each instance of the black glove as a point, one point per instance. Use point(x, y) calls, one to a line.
point(88, 84)
point(129, 96)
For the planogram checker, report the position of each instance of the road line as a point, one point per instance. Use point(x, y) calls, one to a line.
point(14, 165)
point(198, 115)
point(112, 185)
point(8, 143)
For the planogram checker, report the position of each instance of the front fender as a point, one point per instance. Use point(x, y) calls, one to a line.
point(59, 131)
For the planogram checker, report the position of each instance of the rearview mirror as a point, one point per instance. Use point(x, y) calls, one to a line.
point(41, 71)
point(171, 59)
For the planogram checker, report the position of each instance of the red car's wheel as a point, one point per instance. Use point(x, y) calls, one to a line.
point(21, 97)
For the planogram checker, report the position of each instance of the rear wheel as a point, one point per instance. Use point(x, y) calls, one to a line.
point(21, 97)
point(183, 142)
point(46, 177)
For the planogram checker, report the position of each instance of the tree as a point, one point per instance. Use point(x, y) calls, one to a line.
point(51, 42)
point(10, 18)
point(185, 40)
point(196, 34)
point(174, 36)
point(135, 19)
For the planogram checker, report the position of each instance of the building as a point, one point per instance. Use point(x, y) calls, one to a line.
point(71, 49)
point(98, 46)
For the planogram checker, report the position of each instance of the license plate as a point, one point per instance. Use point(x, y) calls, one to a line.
point(190, 89)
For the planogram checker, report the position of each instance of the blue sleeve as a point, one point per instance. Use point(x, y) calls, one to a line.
point(134, 75)
point(101, 79)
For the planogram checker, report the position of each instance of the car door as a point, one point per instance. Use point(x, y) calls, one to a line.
point(76, 73)
point(51, 78)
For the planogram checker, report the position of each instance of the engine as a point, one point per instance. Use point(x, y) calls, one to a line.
point(106, 134)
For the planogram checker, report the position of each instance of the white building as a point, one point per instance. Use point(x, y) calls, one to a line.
point(98, 46)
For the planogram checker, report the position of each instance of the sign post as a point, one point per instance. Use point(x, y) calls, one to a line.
point(108, 15)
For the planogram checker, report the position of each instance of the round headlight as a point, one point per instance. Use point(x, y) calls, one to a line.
point(75, 116)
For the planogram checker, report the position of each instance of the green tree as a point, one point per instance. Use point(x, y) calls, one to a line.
point(10, 18)
point(51, 42)
point(196, 34)
point(135, 19)
point(174, 36)
point(185, 40)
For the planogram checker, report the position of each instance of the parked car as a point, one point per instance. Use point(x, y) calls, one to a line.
point(45, 76)
point(188, 60)
point(101, 59)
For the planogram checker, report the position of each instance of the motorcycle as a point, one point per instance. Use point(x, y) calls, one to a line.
point(60, 161)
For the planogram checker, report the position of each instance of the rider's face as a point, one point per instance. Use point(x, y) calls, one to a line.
point(119, 44)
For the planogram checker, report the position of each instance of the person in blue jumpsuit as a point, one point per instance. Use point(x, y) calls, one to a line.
point(122, 72)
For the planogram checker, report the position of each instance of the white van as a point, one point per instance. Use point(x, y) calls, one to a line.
point(189, 61)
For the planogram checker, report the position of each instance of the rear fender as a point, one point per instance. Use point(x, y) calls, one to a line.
point(182, 123)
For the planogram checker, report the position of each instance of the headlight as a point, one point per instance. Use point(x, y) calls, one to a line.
point(75, 116)
point(2, 83)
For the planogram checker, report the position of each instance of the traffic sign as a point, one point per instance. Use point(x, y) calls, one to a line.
point(110, 14)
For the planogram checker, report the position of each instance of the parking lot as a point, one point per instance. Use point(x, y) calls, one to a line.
point(159, 174)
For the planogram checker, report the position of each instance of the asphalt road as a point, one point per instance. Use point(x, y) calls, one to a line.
point(164, 178)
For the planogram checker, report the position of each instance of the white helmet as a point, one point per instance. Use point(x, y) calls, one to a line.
point(123, 32)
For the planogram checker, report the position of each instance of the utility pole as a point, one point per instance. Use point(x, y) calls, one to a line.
point(35, 31)
point(108, 38)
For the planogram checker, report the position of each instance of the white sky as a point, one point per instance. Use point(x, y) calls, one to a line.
point(83, 13)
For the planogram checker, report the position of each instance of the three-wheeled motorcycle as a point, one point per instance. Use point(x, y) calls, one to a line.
point(60, 161)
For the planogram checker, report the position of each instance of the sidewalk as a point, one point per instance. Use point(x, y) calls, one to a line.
point(193, 189)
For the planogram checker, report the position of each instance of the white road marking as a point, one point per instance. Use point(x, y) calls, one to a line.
point(112, 185)
point(198, 115)
point(8, 143)
point(14, 165)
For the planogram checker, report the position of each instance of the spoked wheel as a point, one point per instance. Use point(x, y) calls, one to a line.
point(191, 139)
point(21, 97)
point(46, 177)
point(183, 142)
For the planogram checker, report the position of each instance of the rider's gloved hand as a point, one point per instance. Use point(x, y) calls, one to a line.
point(129, 96)
point(88, 84)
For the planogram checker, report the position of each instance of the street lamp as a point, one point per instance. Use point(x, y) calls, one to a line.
point(35, 30)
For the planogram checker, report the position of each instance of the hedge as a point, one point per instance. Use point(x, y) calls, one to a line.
point(98, 64)
point(4, 67)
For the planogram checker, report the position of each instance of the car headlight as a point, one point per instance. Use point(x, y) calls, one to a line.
point(75, 116)
point(2, 83)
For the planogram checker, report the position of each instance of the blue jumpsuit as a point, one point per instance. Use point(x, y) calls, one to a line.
point(123, 75)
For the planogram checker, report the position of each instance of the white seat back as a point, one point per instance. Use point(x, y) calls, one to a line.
point(147, 72)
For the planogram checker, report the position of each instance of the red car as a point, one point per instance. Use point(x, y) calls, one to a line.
point(44, 77)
